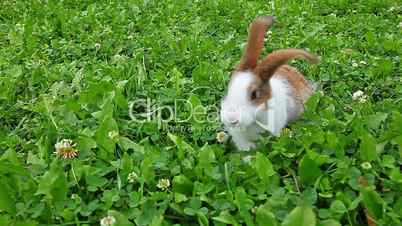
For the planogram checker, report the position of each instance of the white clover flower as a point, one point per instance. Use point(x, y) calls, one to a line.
point(74, 196)
point(366, 165)
point(132, 177)
point(269, 32)
point(354, 64)
point(108, 221)
point(363, 99)
point(222, 137)
point(66, 149)
point(254, 210)
point(112, 134)
point(363, 62)
point(97, 46)
point(359, 96)
point(163, 184)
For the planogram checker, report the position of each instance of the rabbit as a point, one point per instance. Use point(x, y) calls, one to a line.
point(263, 95)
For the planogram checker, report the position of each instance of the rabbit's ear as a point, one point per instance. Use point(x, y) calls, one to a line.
point(267, 67)
point(255, 42)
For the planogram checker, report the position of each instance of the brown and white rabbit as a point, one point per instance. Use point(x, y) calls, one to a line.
point(263, 95)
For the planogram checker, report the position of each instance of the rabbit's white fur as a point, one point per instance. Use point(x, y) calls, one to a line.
point(272, 115)
point(264, 94)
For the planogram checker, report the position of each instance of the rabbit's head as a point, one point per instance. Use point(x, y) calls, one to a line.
point(249, 86)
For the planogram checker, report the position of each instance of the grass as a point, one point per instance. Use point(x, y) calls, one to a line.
point(72, 69)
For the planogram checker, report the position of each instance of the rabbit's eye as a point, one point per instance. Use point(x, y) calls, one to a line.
point(254, 95)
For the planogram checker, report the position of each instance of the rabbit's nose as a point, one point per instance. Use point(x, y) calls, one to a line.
point(233, 118)
point(234, 122)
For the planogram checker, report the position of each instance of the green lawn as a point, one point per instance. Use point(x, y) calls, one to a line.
point(72, 69)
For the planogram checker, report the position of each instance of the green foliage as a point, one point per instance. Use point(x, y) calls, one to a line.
point(301, 215)
point(73, 69)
